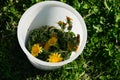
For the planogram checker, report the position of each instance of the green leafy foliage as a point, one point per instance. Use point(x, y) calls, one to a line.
point(100, 59)
point(53, 40)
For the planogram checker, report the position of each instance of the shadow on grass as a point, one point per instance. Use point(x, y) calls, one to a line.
point(13, 62)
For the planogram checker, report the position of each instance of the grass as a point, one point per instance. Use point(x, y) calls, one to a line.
point(100, 59)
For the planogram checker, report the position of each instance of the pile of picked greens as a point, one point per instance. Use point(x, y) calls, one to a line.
point(51, 44)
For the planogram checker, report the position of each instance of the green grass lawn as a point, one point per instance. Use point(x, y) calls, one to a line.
point(100, 59)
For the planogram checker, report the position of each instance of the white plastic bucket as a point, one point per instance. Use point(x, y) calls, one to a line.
point(49, 13)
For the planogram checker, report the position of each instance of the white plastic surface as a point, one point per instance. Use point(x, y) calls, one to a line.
point(49, 13)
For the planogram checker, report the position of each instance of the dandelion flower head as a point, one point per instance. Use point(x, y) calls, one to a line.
point(52, 40)
point(55, 57)
point(36, 49)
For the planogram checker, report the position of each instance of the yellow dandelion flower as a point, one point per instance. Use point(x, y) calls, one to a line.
point(47, 46)
point(36, 49)
point(52, 40)
point(55, 57)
